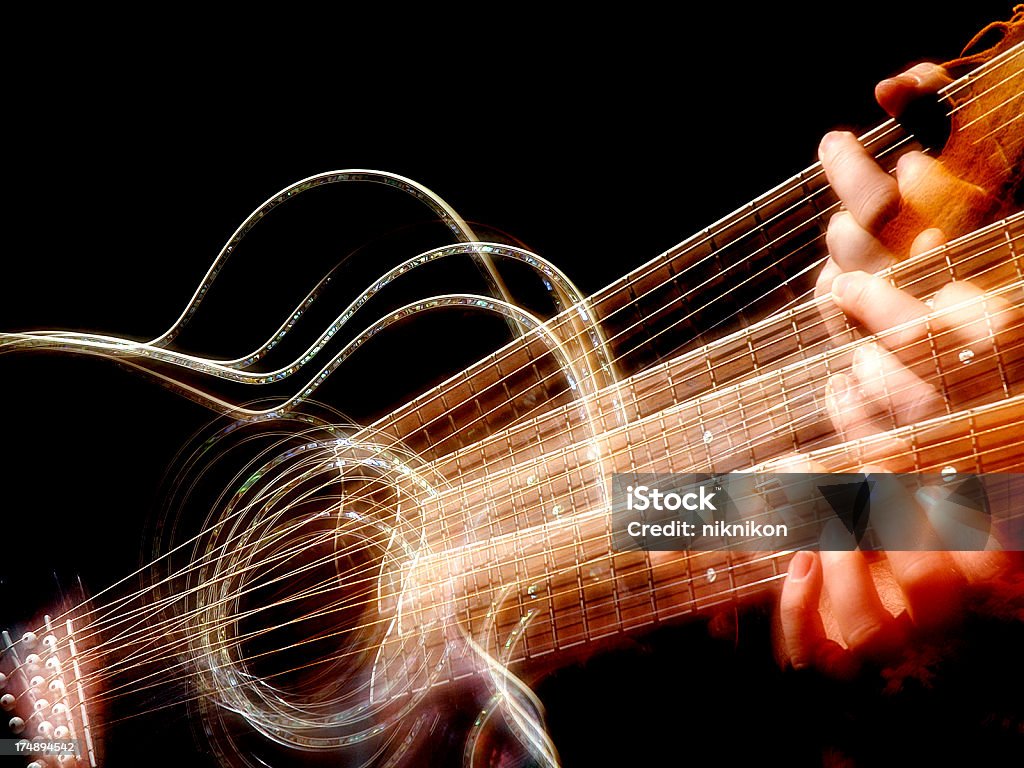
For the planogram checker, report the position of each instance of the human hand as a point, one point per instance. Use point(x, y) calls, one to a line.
point(838, 610)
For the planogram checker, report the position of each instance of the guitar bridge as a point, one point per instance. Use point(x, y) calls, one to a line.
point(44, 697)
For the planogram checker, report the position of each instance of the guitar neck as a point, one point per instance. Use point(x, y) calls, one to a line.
point(531, 501)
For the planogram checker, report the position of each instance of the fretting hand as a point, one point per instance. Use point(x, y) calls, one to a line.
point(838, 610)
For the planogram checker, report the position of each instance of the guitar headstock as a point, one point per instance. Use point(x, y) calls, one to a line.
point(42, 697)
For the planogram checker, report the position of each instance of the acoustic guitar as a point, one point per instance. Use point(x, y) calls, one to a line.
point(318, 588)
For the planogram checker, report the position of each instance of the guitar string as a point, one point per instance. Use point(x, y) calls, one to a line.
point(1000, 449)
point(722, 342)
point(738, 565)
point(690, 579)
point(513, 457)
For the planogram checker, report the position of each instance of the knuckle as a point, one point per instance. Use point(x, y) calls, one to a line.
point(865, 634)
point(879, 203)
point(950, 294)
point(838, 227)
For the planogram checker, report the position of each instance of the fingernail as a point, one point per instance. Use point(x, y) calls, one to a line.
point(826, 142)
point(840, 285)
point(835, 537)
point(907, 79)
point(800, 566)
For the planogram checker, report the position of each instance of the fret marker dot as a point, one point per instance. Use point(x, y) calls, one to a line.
point(531, 480)
point(712, 575)
point(557, 510)
point(948, 473)
point(708, 437)
point(966, 356)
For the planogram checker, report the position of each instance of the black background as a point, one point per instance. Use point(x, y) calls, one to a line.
point(598, 141)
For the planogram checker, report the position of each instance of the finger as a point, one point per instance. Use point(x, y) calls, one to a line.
point(832, 317)
point(894, 93)
point(878, 306)
point(926, 241)
point(967, 532)
point(868, 192)
point(829, 272)
point(926, 187)
point(850, 414)
point(975, 318)
point(801, 622)
point(867, 628)
point(892, 387)
point(969, 329)
point(982, 567)
point(854, 248)
point(803, 632)
point(858, 425)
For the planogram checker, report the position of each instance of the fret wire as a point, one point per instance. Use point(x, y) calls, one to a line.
point(1010, 243)
point(975, 448)
point(578, 569)
point(474, 395)
point(784, 395)
point(996, 347)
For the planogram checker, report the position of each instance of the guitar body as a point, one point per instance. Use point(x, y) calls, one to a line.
point(616, 678)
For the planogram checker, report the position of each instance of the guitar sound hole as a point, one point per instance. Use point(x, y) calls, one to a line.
point(305, 621)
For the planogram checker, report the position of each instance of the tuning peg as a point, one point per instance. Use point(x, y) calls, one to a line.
point(29, 639)
point(7, 702)
point(17, 725)
point(45, 729)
